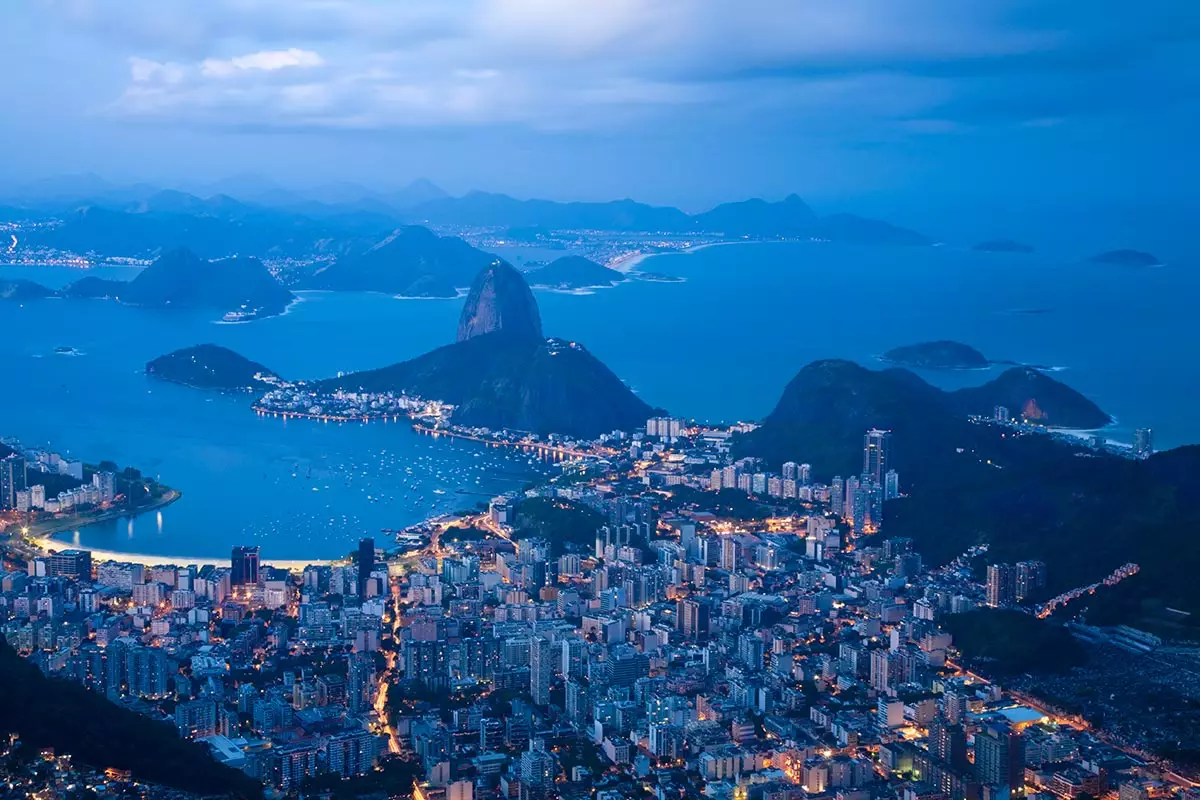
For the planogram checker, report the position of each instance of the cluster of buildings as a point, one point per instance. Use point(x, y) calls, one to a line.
point(801, 654)
point(300, 400)
point(1142, 446)
point(23, 479)
point(278, 672)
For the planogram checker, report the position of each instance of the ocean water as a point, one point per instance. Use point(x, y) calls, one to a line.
point(720, 345)
point(299, 488)
point(723, 344)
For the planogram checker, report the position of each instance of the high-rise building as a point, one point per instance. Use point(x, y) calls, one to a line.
point(891, 485)
point(541, 670)
point(804, 474)
point(244, 563)
point(849, 506)
point(948, 743)
point(1001, 414)
point(837, 496)
point(790, 470)
point(537, 771)
point(351, 753)
point(360, 683)
point(13, 478)
point(1001, 585)
point(693, 617)
point(366, 564)
point(71, 563)
point(1030, 576)
point(875, 454)
point(1143, 442)
point(1000, 758)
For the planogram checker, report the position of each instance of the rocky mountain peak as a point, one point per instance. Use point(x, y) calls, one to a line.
point(500, 300)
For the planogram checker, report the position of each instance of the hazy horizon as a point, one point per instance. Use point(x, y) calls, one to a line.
point(905, 110)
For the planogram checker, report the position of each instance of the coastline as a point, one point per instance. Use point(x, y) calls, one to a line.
point(147, 560)
point(50, 527)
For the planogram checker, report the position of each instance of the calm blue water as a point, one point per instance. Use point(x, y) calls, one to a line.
point(719, 346)
point(300, 489)
point(723, 344)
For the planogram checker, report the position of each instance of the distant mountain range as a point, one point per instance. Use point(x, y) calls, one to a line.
point(789, 218)
point(252, 217)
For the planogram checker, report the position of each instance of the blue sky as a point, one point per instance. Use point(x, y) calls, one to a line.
point(910, 108)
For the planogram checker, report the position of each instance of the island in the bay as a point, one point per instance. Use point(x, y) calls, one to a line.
point(573, 273)
point(1002, 246)
point(941, 354)
point(1127, 258)
point(210, 366)
point(240, 288)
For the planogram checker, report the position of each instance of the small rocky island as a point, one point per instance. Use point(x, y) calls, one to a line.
point(937, 355)
point(1127, 258)
point(1002, 246)
point(573, 273)
point(210, 366)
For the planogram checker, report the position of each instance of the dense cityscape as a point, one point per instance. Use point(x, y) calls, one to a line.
point(780, 646)
point(578, 400)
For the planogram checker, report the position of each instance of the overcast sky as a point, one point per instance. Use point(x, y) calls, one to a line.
point(900, 105)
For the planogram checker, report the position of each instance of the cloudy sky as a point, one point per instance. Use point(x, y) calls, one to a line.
point(903, 105)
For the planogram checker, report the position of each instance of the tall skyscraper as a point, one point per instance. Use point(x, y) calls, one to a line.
point(12, 479)
point(541, 669)
point(1001, 585)
point(1030, 576)
point(876, 444)
point(1000, 758)
point(891, 485)
point(1143, 442)
point(366, 564)
point(837, 496)
point(244, 562)
point(852, 510)
point(537, 770)
point(790, 470)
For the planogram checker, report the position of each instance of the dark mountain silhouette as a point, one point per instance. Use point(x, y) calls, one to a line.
point(500, 300)
point(573, 272)
point(180, 279)
point(413, 261)
point(209, 366)
point(756, 217)
point(21, 290)
point(63, 715)
point(826, 408)
point(501, 373)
